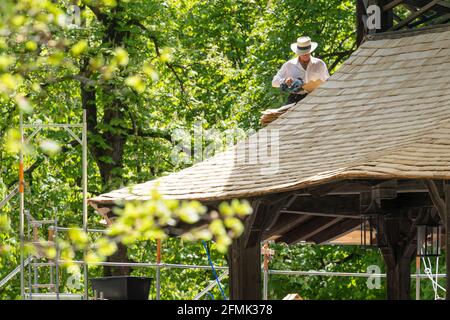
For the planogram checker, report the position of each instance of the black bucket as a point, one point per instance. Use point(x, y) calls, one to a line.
point(122, 287)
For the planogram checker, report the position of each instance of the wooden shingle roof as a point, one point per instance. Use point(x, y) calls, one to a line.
point(384, 114)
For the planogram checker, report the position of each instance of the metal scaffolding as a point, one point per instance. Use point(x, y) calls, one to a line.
point(32, 224)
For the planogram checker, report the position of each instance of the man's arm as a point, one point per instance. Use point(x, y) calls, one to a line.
point(280, 77)
point(324, 74)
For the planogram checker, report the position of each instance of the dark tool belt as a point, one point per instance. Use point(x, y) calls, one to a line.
point(292, 98)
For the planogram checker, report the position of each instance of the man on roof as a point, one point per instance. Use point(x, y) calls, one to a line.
point(298, 76)
point(301, 70)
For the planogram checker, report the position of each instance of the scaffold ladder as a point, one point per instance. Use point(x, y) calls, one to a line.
point(33, 288)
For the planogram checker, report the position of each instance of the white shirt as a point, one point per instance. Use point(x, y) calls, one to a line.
point(316, 70)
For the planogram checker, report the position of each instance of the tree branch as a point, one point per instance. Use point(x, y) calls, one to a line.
point(333, 54)
point(341, 57)
point(150, 133)
point(7, 117)
point(436, 198)
point(96, 11)
point(82, 79)
point(39, 161)
point(170, 66)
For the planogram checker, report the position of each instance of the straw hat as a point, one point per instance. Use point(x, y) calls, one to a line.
point(303, 46)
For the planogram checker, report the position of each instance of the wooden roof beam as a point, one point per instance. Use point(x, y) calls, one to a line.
point(442, 19)
point(321, 214)
point(335, 204)
point(425, 19)
point(308, 229)
point(335, 231)
point(437, 195)
point(356, 186)
point(392, 5)
point(285, 223)
point(442, 5)
point(414, 15)
point(265, 214)
point(406, 201)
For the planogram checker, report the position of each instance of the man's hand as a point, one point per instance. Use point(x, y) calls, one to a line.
point(289, 81)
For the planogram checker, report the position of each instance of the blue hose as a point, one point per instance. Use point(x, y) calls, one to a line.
point(214, 271)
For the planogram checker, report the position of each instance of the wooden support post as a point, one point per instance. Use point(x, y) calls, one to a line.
point(245, 271)
point(387, 16)
point(400, 236)
point(440, 196)
point(244, 258)
point(417, 278)
point(398, 276)
point(447, 240)
point(361, 30)
point(244, 255)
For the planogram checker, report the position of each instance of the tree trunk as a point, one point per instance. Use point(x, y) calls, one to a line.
point(111, 173)
point(108, 159)
point(119, 256)
point(109, 154)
